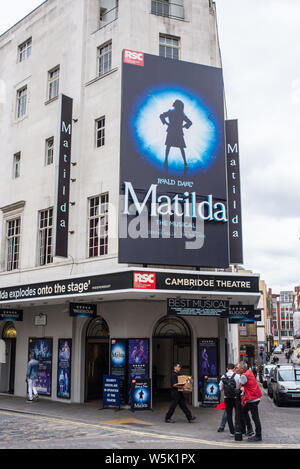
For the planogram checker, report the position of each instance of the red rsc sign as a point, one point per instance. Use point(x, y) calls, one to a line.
point(133, 58)
point(144, 280)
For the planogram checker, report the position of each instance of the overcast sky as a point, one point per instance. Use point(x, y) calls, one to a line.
point(261, 59)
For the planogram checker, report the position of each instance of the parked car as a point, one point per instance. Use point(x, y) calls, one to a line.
point(266, 373)
point(285, 381)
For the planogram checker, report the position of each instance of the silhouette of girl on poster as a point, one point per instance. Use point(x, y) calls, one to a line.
point(175, 135)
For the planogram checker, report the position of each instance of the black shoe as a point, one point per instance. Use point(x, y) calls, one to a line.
point(255, 438)
point(169, 421)
point(191, 419)
point(249, 433)
point(220, 429)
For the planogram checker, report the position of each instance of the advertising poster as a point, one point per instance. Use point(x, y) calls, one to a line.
point(208, 362)
point(211, 393)
point(118, 364)
point(173, 190)
point(111, 391)
point(138, 360)
point(42, 348)
point(141, 394)
point(64, 368)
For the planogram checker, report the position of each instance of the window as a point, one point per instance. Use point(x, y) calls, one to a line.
point(13, 233)
point(25, 50)
point(160, 7)
point(100, 132)
point(169, 46)
point(98, 225)
point(21, 102)
point(104, 58)
point(53, 83)
point(45, 236)
point(17, 165)
point(49, 151)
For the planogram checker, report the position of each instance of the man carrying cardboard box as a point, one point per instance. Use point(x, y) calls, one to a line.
point(177, 397)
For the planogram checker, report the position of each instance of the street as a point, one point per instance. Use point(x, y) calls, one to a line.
point(51, 425)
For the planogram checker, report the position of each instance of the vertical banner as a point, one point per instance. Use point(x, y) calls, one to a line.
point(234, 193)
point(118, 364)
point(138, 361)
point(141, 394)
point(63, 177)
point(42, 349)
point(208, 362)
point(64, 368)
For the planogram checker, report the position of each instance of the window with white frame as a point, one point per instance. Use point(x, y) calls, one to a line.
point(104, 58)
point(45, 237)
point(17, 165)
point(98, 226)
point(53, 83)
point(160, 7)
point(169, 46)
point(49, 151)
point(25, 50)
point(100, 132)
point(13, 235)
point(21, 102)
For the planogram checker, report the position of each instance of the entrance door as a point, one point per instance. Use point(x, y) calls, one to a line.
point(97, 365)
point(7, 382)
point(96, 357)
point(171, 343)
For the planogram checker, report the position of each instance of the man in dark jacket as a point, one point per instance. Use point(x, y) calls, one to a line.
point(31, 378)
point(177, 397)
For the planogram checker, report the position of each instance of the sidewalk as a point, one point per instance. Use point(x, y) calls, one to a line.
point(280, 426)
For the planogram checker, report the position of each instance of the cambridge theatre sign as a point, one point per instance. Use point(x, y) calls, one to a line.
point(130, 281)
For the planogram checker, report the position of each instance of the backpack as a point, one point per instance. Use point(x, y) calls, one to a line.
point(229, 385)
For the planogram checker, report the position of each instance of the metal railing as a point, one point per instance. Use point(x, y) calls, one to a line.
point(167, 9)
point(109, 16)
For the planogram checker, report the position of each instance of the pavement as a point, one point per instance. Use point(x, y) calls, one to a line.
point(280, 425)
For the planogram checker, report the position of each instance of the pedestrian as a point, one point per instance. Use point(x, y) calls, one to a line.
point(250, 401)
point(229, 384)
point(31, 378)
point(177, 397)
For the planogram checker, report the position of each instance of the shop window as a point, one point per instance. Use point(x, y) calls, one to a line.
point(9, 331)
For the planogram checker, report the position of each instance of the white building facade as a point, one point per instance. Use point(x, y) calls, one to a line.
point(75, 49)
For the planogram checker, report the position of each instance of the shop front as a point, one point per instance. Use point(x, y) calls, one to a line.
point(122, 324)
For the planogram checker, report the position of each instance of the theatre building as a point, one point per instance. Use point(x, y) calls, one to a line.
point(120, 216)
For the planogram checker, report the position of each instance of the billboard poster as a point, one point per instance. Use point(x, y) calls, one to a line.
point(208, 361)
point(42, 349)
point(118, 364)
point(13, 315)
point(64, 368)
point(83, 310)
point(138, 360)
point(173, 191)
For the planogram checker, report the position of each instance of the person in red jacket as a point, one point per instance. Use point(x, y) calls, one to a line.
point(250, 399)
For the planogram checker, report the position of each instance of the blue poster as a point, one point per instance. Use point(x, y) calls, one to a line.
point(141, 394)
point(64, 368)
point(111, 391)
point(42, 349)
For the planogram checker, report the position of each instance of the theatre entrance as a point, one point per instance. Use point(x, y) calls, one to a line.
point(7, 383)
point(97, 358)
point(171, 343)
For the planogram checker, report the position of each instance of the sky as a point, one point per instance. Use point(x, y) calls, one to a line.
point(260, 50)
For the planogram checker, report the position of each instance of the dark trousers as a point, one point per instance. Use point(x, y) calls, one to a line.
point(229, 406)
point(178, 399)
point(251, 407)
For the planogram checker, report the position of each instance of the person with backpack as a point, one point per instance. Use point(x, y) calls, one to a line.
point(229, 384)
